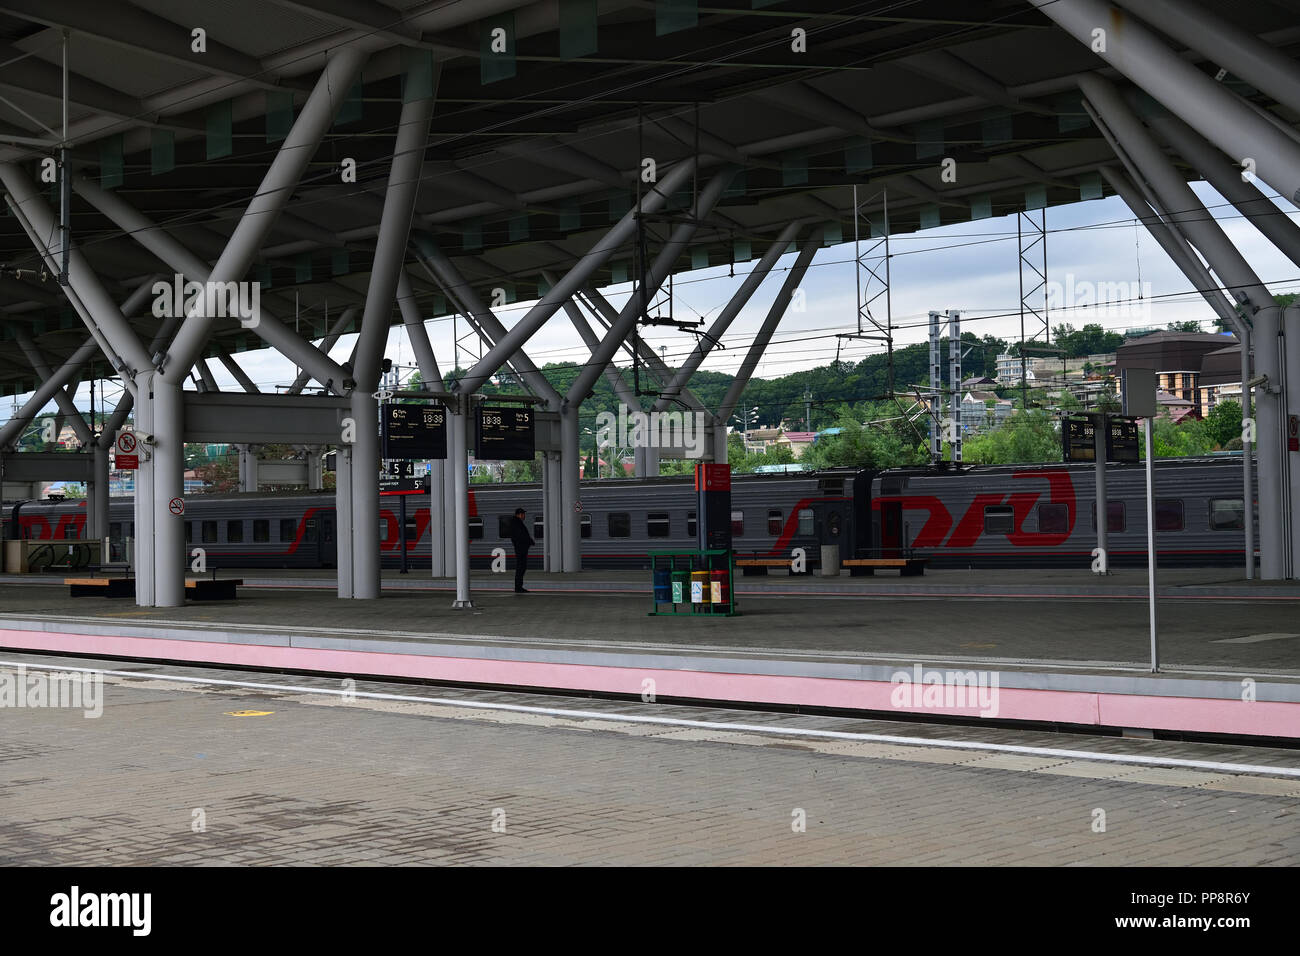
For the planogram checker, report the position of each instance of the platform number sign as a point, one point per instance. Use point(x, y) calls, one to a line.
point(413, 432)
point(504, 434)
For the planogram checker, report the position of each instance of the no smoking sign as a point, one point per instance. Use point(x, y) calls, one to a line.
point(176, 506)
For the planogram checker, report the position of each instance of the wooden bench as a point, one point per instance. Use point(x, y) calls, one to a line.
point(907, 567)
point(757, 565)
point(101, 587)
point(196, 589)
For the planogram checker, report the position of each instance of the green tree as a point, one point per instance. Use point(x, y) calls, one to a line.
point(1223, 424)
point(1024, 437)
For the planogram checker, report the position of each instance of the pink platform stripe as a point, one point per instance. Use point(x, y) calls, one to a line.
point(1190, 714)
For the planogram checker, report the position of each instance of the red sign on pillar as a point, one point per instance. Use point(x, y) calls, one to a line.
point(1293, 433)
point(712, 477)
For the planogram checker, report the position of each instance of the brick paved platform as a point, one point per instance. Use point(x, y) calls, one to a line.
point(418, 776)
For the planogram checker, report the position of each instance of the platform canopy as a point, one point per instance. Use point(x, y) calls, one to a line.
point(545, 112)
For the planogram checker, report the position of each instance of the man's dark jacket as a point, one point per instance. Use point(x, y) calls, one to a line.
point(519, 535)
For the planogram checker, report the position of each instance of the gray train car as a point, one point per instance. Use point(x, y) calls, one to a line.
point(977, 516)
point(1045, 515)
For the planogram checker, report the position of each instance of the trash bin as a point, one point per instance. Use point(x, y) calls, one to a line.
point(663, 586)
point(681, 587)
point(699, 587)
point(830, 561)
point(720, 586)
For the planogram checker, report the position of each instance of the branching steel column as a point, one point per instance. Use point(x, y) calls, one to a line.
point(168, 250)
point(748, 287)
point(1225, 44)
point(444, 271)
point(1258, 209)
point(1218, 114)
point(47, 390)
point(277, 186)
point(61, 397)
point(574, 279)
point(413, 321)
point(1178, 249)
point(335, 331)
point(101, 312)
point(795, 276)
point(233, 367)
point(1187, 213)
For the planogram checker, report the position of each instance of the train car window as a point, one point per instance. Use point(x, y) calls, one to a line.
point(115, 529)
point(71, 532)
point(999, 519)
point(805, 521)
point(189, 531)
point(690, 524)
point(774, 522)
point(656, 524)
point(130, 529)
point(1114, 517)
point(261, 529)
point(737, 524)
point(503, 526)
point(234, 531)
point(412, 530)
point(585, 525)
point(539, 528)
point(1169, 514)
point(619, 524)
point(1053, 519)
point(309, 529)
point(833, 524)
point(288, 529)
point(209, 532)
point(1227, 514)
point(475, 529)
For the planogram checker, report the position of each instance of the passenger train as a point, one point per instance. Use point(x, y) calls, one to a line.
point(974, 516)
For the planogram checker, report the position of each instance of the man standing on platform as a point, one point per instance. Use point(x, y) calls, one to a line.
point(522, 541)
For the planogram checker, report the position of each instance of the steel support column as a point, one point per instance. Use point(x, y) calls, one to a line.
point(97, 496)
point(458, 425)
point(365, 496)
point(570, 463)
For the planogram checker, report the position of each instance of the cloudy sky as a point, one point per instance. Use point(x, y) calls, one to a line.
point(971, 267)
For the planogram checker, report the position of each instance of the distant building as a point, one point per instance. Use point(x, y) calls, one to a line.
point(1011, 368)
point(1220, 379)
point(1177, 358)
point(798, 442)
point(981, 410)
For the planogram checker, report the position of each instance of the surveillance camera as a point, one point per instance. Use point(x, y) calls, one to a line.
point(145, 438)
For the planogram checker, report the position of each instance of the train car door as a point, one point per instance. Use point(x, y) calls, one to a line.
point(328, 542)
point(832, 519)
point(891, 529)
